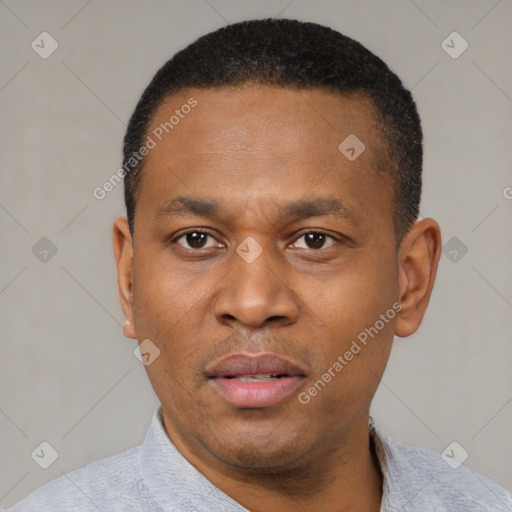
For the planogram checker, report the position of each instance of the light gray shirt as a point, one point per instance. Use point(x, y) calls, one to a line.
point(156, 477)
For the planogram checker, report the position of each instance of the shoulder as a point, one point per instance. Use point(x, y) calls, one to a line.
point(420, 479)
point(102, 483)
point(456, 486)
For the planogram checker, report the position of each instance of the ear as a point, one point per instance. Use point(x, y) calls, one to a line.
point(419, 255)
point(123, 251)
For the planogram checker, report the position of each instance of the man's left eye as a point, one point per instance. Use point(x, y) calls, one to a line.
point(315, 240)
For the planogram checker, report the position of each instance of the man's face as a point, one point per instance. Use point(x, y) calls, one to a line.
point(268, 161)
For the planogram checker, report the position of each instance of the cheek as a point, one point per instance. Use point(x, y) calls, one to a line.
point(354, 296)
point(163, 294)
point(349, 309)
point(172, 308)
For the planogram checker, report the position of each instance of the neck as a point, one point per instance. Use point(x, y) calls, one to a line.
point(331, 484)
point(342, 474)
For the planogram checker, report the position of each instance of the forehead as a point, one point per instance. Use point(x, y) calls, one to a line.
point(229, 116)
point(264, 141)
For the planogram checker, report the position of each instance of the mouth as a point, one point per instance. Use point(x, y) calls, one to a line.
point(253, 381)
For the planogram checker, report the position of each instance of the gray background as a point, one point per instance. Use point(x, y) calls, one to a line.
point(68, 375)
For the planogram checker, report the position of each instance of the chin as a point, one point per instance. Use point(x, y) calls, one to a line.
point(261, 452)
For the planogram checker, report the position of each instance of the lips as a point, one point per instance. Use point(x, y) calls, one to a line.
point(255, 380)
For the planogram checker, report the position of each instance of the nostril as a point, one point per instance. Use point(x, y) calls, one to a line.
point(274, 318)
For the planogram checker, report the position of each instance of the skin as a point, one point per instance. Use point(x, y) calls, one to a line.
point(253, 149)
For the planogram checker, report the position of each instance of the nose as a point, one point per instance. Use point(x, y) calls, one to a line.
point(255, 294)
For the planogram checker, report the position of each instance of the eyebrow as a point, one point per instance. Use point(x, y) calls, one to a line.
point(301, 209)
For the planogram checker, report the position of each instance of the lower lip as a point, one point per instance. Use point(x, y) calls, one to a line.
point(255, 394)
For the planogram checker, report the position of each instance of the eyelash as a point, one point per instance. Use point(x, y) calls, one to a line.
point(208, 232)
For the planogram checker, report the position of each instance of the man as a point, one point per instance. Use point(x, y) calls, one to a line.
point(271, 252)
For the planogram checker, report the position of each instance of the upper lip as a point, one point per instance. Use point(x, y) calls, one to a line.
point(253, 364)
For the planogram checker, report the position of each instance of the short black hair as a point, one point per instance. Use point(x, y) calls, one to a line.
point(297, 55)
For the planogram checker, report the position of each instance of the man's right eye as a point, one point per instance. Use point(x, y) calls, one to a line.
point(195, 239)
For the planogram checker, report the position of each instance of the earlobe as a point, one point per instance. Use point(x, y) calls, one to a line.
point(123, 251)
point(129, 330)
point(418, 259)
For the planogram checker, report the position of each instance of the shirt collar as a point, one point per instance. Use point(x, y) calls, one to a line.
point(398, 471)
point(172, 481)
